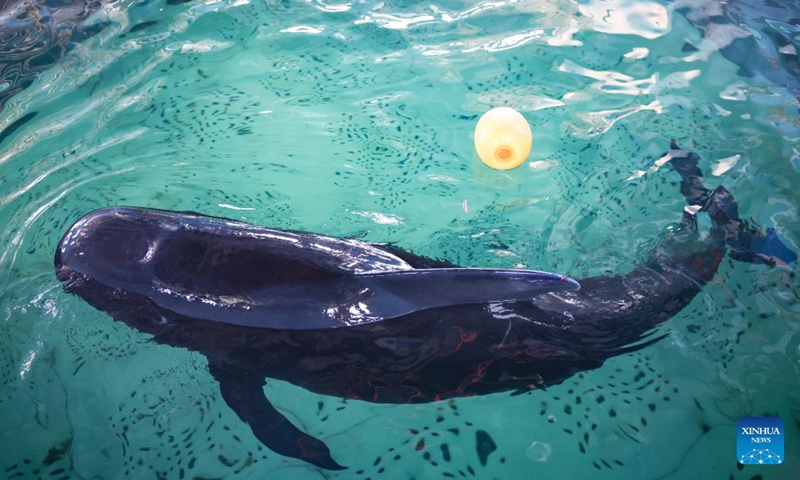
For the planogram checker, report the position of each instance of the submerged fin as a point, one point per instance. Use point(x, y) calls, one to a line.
point(244, 394)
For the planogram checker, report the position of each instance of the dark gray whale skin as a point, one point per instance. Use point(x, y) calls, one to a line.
point(423, 356)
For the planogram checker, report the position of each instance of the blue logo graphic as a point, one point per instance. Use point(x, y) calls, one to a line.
point(759, 441)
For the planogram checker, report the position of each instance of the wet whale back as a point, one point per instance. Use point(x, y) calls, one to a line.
point(225, 271)
point(216, 269)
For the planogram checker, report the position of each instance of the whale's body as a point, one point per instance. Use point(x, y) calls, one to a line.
point(209, 285)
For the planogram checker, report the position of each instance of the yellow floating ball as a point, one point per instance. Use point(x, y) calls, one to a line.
point(503, 138)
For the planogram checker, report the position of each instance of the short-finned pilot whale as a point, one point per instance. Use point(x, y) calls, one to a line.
point(376, 323)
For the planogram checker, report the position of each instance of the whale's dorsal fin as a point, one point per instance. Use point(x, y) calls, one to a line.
point(244, 394)
point(399, 293)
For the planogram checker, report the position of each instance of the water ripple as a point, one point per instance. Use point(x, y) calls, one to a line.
point(343, 117)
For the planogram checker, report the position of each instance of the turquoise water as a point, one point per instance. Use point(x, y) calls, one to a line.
point(355, 119)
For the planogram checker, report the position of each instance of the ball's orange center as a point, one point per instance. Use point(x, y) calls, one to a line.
point(503, 153)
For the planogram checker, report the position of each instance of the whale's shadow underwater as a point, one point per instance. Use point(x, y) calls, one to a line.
point(375, 323)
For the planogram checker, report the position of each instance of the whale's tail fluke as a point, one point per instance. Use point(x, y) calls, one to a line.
point(744, 240)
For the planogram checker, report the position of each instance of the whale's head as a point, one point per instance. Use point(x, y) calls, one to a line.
point(115, 246)
point(108, 258)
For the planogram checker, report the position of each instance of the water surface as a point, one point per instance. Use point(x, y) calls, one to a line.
point(355, 119)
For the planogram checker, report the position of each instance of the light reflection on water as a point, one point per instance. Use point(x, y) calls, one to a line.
point(355, 119)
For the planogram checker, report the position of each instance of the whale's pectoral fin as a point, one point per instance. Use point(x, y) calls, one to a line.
point(244, 394)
